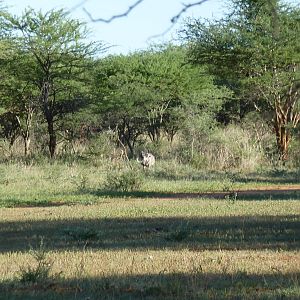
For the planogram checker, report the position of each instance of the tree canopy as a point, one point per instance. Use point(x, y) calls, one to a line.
point(150, 92)
point(255, 50)
point(54, 57)
point(53, 85)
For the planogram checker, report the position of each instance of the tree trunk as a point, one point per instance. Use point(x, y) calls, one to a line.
point(52, 137)
point(287, 115)
point(25, 128)
point(284, 121)
point(27, 141)
point(48, 112)
point(26, 133)
point(282, 138)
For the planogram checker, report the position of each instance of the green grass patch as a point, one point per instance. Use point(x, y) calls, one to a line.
point(151, 243)
point(57, 184)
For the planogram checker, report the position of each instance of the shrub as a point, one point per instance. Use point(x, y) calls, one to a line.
point(294, 155)
point(40, 271)
point(102, 145)
point(226, 148)
point(124, 180)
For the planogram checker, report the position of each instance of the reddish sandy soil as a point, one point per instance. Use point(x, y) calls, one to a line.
point(260, 191)
point(292, 191)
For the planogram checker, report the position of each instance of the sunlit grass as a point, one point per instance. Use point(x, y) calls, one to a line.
point(23, 184)
point(246, 274)
point(98, 246)
point(246, 249)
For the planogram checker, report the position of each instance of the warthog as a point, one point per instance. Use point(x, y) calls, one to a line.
point(147, 159)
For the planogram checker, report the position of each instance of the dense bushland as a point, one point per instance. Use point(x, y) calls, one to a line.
point(214, 102)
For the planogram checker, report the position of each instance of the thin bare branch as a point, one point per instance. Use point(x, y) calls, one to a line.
point(77, 6)
point(185, 8)
point(174, 19)
point(125, 14)
point(161, 34)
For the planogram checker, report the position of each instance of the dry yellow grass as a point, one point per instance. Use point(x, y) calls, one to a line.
point(156, 249)
point(100, 247)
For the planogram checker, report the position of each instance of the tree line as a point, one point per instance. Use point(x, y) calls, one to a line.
point(54, 84)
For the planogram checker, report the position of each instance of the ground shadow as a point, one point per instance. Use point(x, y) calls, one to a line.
point(246, 232)
point(274, 176)
point(287, 193)
point(198, 285)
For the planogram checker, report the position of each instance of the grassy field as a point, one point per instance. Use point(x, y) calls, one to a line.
point(64, 236)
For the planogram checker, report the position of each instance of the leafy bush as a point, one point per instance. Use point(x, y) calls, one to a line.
point(100, 147)
point(40, 271)
point(226, 148)
point(294, 155)
point(124, 180)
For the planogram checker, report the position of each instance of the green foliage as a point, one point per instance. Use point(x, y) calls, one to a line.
point(255, 51)
point(150, 92)
point(294, 155)
point(101, 146)
point(154, 99)
point(124, 180)
point(51, 58)
point(40, 272)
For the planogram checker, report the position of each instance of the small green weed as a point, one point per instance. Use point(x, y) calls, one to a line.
point(232, 197)
point(40, 272)
point(83, 182)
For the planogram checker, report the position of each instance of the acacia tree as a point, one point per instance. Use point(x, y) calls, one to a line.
point(148, 92)
point(18, 95)
point(256, 47)
point(60, 55)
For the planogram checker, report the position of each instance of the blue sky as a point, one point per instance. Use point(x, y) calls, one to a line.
point(151, 17)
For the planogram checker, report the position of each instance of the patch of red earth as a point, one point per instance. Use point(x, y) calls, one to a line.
point(265, 190)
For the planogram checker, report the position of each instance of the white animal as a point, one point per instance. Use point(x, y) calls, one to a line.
point(147, 159)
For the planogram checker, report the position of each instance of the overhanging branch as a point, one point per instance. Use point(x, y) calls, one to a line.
point(125, 14)
point(173, 20)
point(185, 8)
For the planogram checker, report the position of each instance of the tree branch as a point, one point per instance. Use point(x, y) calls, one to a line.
point(185, 8)
point(77, 5)
point(125, 14)
point(173, 20)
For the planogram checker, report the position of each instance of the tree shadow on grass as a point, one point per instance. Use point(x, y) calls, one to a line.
point(196, 285)
point(245, 195)
point(247, 232)
point(275, 176)
point(249, 195)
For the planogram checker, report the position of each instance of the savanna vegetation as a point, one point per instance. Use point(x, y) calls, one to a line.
point(218, 216)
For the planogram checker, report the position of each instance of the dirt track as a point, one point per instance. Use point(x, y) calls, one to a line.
point(267, 191)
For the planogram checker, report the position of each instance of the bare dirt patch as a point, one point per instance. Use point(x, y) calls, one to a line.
point(267, 191)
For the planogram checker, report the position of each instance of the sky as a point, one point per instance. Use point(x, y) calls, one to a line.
point(133, 32)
